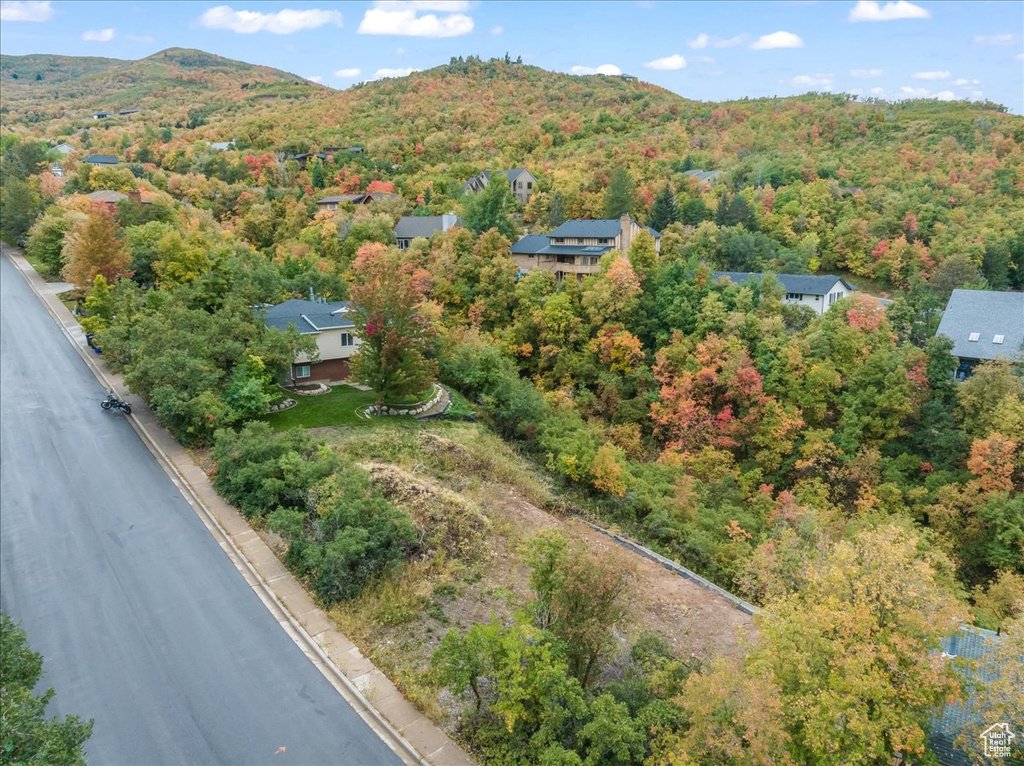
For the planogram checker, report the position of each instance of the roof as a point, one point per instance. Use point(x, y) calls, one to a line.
point(64, 147)
point(989, 314)
point(538, 244)
point(808, 284)
point(341, 198)
point(972, 644)
point(101, 159)
point(411, 226)
point(106, 195)
point(703, 175)
point(221, 145)
point(512, 174)
point(602, 228)
point(309, 317)
point(129, 111)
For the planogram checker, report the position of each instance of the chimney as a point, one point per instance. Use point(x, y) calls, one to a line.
point(626, 233)
point(311, 293)
point(447, 221)
point(135, 194)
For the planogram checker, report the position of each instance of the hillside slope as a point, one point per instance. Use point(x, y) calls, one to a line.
point(39, 88)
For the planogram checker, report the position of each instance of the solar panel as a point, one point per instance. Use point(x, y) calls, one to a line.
point(975, 336)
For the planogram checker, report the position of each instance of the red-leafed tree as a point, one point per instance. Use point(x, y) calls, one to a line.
point(394, 358)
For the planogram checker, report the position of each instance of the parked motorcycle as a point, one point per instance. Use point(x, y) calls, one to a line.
point(112, 402)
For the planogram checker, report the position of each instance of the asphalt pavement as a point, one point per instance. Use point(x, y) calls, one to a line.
point(143, 622)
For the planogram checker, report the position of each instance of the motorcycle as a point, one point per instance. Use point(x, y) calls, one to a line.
point(112, 402)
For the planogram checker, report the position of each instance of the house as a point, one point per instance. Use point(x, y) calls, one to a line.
point(704, 176)
point(816, 292)
point(302, 159)
point(57, 169)
point(576, 247)
point(126, 112)
point(984, 325)
point(971, 644)
point(101, 115)
point(331, 203)
point(520, 180)
point(221, 146)
point(411, 227)
point(109, 198)
point(101, 160)
point(334, 332)
point(64, 148)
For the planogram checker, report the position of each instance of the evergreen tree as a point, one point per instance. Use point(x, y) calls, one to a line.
point(694, 212)
point(620, 196)
point(664, 211)
point(317, 176)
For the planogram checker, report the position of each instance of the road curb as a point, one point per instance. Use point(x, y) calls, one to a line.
point(347, 687)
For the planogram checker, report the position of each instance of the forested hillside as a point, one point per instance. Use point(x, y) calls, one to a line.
point(826, 467)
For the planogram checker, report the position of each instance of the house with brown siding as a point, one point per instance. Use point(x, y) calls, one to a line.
point(328, 322)
point(576, 247)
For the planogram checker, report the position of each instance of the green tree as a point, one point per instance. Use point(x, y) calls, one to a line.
point(664, 211)
point(620, 196)
point(26, 735)
point(394, 358)
point(46, 239)
point(492, 208)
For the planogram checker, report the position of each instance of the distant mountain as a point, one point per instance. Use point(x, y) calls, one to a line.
point(40, 87)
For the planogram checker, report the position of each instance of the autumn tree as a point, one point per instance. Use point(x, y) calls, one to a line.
point(92, 247)
point(492, 208)
point(394, 358)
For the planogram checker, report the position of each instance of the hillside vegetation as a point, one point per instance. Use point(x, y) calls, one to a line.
point(826, 467)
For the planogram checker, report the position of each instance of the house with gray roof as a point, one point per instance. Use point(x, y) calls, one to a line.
point(411, 227)
point(521, 181)
point(329, 323)
point(817, 292)
point(64, 148)
point(704, 176)
point(984, 325)
point(101, 160)
point(576, 247)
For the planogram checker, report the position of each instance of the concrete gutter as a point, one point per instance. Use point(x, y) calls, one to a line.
point(410, 734)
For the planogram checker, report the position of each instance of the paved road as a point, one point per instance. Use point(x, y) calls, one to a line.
point(143, 622)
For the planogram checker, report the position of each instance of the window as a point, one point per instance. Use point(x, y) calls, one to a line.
point(998, 338)
point(974, 337)
point(302, 371)
point(403, 244)
point(794, 296)
point(529, 184)
point(347, 339)
point(833, 297)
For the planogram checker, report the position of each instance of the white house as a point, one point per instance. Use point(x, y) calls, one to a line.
point(335, 337)
point(816, 292)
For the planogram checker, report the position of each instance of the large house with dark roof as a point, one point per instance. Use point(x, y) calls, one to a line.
point(521, 180)
point(335, 337)
point(101, 160)
point(575, 248)
point(984, 325)
point(815, 292)
point(411, 227)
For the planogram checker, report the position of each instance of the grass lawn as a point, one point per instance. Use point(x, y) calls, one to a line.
point(338, 407)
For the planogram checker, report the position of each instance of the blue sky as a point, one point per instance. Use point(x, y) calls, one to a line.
point(711, 51)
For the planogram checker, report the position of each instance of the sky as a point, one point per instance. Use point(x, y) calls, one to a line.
point(710, 51)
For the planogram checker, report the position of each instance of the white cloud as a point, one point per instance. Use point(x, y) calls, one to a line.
point(966, 81)
point(777, 40)
point(317, 78)
point(878, 91)
point(945, 95)
point(703, 59)
point(993, 39)
point(855, 91)
point(99, 35)
point(351, 72)
point(397, 72)
point(1019, 57)
point(603, 69)
point(866, 73)
point(496, 31)
point(704, 40)
point(675, 61)
point(380, 21)
point(444, 6)
point(31, 10)
point(934, 75)
point(869, 10)
point(825, 81)
point(139, 38)
point(906, 90)
point(284, 22)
